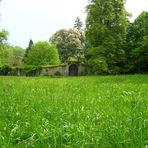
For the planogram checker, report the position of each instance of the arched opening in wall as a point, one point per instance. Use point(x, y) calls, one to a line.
point(73, 70)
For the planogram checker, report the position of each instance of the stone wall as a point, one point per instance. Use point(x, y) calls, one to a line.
point(64, 70)
point(49, 71)
point(80, 69)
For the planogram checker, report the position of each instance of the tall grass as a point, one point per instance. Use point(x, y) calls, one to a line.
point(86, 112)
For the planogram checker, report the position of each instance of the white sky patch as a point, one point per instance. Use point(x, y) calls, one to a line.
point(39, 19)
point(135, 7)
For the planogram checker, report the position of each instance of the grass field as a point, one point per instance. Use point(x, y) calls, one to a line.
point(77, 112)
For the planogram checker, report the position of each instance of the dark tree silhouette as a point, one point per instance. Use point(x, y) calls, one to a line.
point(78, 24)
point(27, 51)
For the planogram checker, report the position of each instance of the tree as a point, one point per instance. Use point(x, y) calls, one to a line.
point(136, 43)
point(5, 55)
point(140, 56)
point(70, 43)
point(27, 51)
point(137, 30)
point(106, 27)
point(78, 24)
point(17, 55)
point(4, 51)
point(42, 53)
point(3, 36)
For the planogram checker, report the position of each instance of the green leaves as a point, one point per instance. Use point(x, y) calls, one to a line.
point(3, 36)
point(137, 39)
point(68, 42)
point(42, 53)
point(106, 30)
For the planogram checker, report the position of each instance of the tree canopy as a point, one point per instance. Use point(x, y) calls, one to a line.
point(25, 59)
point(3, 36)
point(136, 47)
point(69, 42)
point(4, 53)
point(110, 43)
point(17, 55)
point(42, 53)
point(106, 28)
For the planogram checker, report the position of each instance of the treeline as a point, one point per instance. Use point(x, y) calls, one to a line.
point(63, 46)
point(115, 44)
point(110, 43)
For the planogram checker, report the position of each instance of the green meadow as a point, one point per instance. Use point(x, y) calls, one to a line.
point(74, 112)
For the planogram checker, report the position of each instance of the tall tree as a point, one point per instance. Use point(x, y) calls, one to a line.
point(106, 26)
point(137, 30)
point(5, 55)
point(137, 46)
point(27, 51)
point(78, 24)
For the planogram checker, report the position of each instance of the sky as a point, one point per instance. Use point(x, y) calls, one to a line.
point(39, 19)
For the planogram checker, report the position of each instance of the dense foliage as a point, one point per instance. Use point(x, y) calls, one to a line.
point(106, 33)
point(137, 44)
point(9, 55)
point(42, 53)
point(17, 54)
point(25, 59)
point(70, 43)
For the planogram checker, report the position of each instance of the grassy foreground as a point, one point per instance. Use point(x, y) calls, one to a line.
point(82, 112)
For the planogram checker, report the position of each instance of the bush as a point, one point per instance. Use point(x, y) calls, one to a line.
point(99, 65)
point(42, 53)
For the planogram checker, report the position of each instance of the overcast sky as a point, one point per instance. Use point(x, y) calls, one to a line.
point(39, 19)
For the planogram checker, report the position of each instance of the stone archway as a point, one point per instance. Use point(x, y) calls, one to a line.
point(73, 70)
